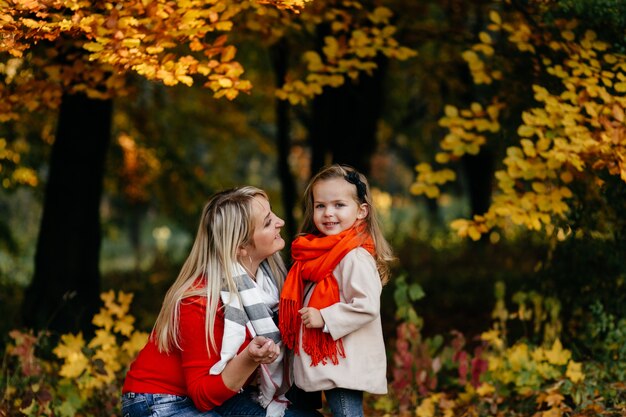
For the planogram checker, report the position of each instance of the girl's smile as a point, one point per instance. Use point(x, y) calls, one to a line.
point(335, 206)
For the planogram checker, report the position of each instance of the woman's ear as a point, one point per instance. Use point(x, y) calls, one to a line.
point(363, 211)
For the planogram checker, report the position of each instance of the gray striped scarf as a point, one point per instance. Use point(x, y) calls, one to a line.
point(259, 299)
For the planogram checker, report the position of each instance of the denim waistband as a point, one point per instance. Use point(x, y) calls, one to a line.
point(152, 399)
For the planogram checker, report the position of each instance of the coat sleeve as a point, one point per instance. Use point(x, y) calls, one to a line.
point(206, 391)
point(360, 288)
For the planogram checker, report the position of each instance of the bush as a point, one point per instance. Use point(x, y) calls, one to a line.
point(74, 377)
point(493, 376)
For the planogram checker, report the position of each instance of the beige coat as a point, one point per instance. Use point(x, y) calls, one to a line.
point(355, 319)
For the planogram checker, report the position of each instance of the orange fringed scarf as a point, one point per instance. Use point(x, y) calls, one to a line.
point(315, 258)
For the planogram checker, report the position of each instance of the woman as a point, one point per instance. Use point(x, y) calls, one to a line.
point(215, 349)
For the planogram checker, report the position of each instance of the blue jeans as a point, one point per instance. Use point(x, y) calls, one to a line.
point(160, 405)
point(345, 402)
point(165, 405)
point(244, 405)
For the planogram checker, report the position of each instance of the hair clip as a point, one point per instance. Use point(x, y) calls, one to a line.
point(353, 178)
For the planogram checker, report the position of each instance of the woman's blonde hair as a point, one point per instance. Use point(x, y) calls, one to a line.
point(384, 254)
point(226, 225)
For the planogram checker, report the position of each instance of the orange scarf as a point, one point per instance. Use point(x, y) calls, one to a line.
point(315, 258)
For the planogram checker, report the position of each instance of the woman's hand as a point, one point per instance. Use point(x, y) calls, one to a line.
point(262, 350)
point(311, 317)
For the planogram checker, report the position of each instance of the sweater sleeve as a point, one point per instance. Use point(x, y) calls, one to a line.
point(360, 286)
point(206, 391)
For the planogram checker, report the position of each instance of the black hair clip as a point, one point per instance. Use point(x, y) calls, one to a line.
point(353, 178)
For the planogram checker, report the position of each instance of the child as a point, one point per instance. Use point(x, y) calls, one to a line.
point(330, 303)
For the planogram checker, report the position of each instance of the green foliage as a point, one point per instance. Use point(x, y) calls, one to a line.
point(404, 295)
point(607, 15)
point(500, 375)
point(587, 275)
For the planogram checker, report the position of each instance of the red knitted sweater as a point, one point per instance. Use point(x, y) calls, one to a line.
point(184, 372)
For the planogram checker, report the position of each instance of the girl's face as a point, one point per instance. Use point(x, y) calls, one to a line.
point(335, 207)
point(266, 239)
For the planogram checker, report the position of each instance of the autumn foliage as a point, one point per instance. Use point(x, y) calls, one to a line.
point(572, 135)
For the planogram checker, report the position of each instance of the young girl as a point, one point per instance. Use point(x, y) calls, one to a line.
point(330, 303)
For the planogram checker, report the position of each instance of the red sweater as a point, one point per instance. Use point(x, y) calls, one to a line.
point(184, 372)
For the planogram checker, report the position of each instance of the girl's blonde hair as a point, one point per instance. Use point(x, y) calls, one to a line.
point(226, 225)
point(384, 254)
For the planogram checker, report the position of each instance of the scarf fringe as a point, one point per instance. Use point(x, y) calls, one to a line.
point(289, 320)
point(321, 346)
point(275, 407)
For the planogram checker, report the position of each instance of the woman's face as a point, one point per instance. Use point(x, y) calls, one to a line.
point(266, 239)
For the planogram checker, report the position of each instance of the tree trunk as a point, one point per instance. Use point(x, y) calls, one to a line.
point(64, 293)
point(280, 55)
point(479, 170)
point(344, 122)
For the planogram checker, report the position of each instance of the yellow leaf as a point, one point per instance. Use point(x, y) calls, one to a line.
point(135, 343)
point(403, 53)
point(493, 338)
point(131, 43)
point(484, 37)
point(568, 35)
point(380, 15)
point(93, 46)
point(485, 389)
point(477, 108)
point(228, 53)
point(565, 192)
point(423, 167)
point(185, 79)
point(108, 297)
point(426, 408)
point(124, 325)
point(495, 17)
point(574, 371)
point(525, 131)
point(154, 49)
point(125, 299)
point(103, 319)
point(225, 82)
point(224, 26)
point(557, 355)
point(102, 338)
point(618, 113)
point(442, 157)
point(567, 177)
point(539, 187)
point(451, 111)
point(331, 47)
point(313, 60)
point(74, 366)
point(69, 345)
point(432, 191)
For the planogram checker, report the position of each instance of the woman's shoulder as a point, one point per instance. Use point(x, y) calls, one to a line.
point(197, 305)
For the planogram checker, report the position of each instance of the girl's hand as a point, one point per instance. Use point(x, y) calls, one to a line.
point(311, 317)
point(262, 350)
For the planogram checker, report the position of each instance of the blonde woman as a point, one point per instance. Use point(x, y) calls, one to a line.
point(215, 349)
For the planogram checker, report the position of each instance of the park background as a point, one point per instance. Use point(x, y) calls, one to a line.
point(492, 132)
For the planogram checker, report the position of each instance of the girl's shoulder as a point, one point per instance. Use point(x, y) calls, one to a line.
point(358, 255)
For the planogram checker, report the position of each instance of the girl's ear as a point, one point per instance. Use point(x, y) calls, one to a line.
point(363, 211)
